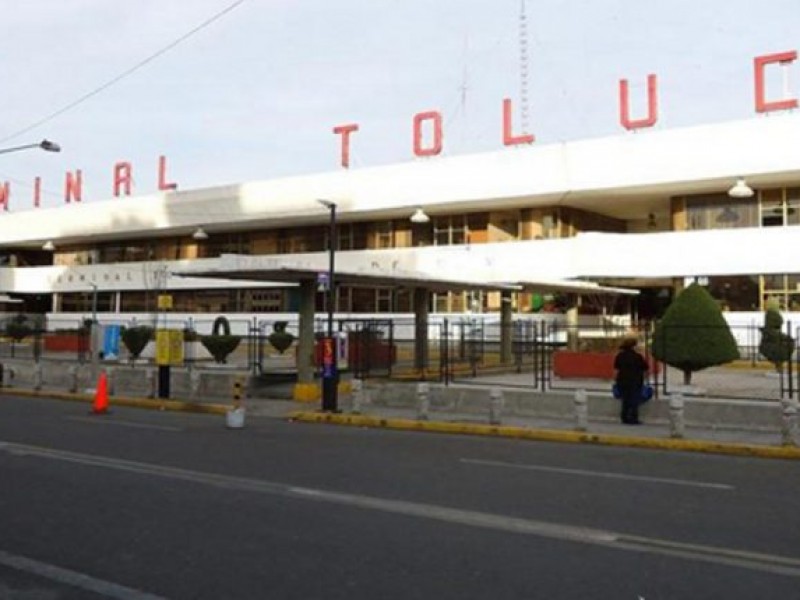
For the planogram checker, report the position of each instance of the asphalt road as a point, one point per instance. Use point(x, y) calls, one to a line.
point(140, 504)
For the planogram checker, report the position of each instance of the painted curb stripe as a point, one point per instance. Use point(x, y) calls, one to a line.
point(549, 435)
point(150, 403)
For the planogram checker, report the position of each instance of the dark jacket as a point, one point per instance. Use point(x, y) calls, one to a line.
point(631, 367)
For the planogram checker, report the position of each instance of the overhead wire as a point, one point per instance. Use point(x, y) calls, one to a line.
point(126, 73)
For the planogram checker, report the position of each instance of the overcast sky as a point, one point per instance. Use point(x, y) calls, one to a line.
point(254, 95)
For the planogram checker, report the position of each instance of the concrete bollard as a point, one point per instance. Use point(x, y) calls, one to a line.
point(358, 396)
point(12, 373)
point(110, 380)
point(152, 383)
point(194, 383)
point(423, 401)
point(495, 406)
point(581, 411)
point(234, 418)
point(38, 376)
point(677, 427)
point(73, 379)
point(789, 430)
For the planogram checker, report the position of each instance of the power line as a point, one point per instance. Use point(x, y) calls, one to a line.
point(124, 74)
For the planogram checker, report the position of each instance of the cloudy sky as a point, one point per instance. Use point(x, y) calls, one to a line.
point(255, 93)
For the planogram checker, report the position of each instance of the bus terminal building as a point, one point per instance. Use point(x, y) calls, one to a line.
point(643, 211)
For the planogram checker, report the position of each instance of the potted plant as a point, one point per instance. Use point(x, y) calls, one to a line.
point(280, 339)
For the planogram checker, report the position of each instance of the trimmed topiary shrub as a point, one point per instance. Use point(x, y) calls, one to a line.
point(18, 328)
point(280, 339)
point(220, 345)
point(136, 338)
point(693, 335)
point(776, 346)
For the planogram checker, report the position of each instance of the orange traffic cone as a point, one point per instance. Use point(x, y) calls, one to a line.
point(100, 405)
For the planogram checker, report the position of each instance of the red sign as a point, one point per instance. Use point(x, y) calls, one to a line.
point(432, 120)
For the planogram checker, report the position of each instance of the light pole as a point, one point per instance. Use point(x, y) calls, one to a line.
point(45, 145)
point(330, 375)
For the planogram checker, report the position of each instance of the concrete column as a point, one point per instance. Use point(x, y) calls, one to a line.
point(572, 326)
point(357, 387)
point(506, 328)
point(423, 401)
point(420, 328)
point(677, 427)
point(305, 338)
point(496, 404)
point(789, 429)
point(581, 410)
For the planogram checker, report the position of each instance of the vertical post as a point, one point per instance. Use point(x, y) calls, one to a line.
point(495, 406)
point(676, 421)
point(423, 401)
point(93, 335)
point(506, 325)
point(789, 428)
point(330, 375)
point(581, 410)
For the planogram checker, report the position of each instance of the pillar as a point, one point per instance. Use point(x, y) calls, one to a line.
point(506, 327)
point(572, 326)
point(420, 328)
point(305, 337)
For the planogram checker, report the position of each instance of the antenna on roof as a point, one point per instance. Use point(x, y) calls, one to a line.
point(523, 66)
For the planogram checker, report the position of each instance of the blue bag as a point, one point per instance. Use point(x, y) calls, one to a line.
point(647, 392)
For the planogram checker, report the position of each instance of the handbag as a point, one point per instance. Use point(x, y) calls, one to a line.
point(647, 392)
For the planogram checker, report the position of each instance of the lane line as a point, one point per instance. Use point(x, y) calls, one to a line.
point(603, 474)
point(73, 578)
point(100, 420)
point(754, 561)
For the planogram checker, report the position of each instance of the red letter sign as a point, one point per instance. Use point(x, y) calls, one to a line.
point(345, 131)
point(122, 177)
point(762, 105)
point(5, 194)
point(73, 186)
point(509, 139)
point(652, 105)
point(436, 148)
point(163, 186)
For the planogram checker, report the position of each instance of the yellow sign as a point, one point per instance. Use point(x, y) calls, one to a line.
point(169, 347)
point(164, 302)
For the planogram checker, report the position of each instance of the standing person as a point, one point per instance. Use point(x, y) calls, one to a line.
point(631, 367)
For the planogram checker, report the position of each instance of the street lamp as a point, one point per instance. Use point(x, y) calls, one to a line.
point(45, 145)
point(330, 376)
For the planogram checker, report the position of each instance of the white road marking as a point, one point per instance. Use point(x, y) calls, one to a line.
point(607, 475)
point(103, 420)
point(755, 561)
point(73, 578)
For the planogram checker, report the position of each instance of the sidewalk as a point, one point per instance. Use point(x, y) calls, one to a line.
point(710, 440)
point(717, 440)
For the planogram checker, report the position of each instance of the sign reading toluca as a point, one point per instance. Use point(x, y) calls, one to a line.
point(431, 121)
point(122, 183)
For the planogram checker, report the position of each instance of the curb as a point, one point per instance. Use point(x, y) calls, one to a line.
point(549, 435)
point(148, 403)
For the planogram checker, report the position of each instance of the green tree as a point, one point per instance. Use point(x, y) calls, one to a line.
point(693, 335)
point(776, 346)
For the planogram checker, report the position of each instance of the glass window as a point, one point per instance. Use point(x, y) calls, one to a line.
point(718, 211)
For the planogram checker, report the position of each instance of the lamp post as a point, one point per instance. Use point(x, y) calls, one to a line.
point(45, 145)
point(330, 375)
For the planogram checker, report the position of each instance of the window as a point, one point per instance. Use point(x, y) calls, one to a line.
point(718, 211)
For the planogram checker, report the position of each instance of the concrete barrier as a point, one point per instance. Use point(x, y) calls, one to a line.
point(754, 415)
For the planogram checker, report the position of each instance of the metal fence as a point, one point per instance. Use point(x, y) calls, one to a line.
point(528, 352)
